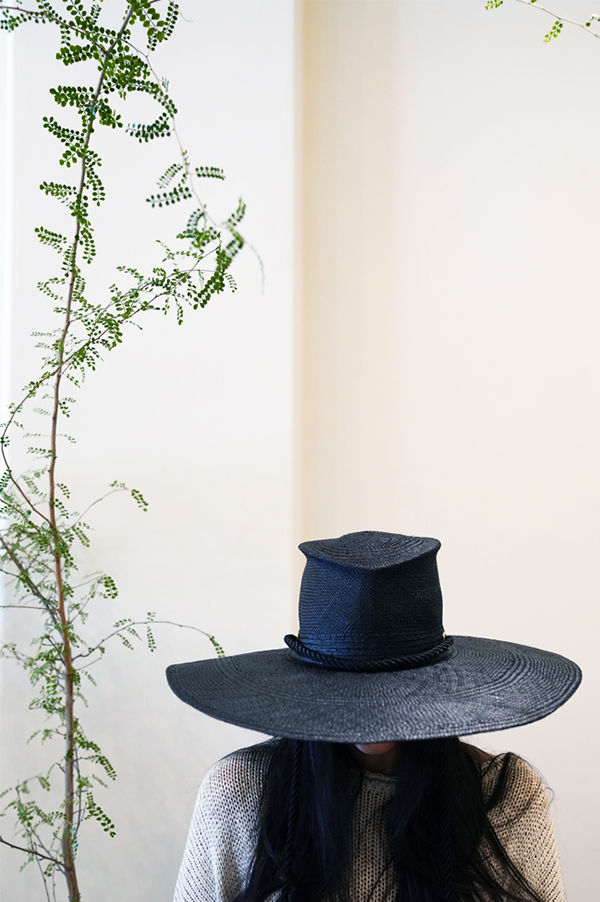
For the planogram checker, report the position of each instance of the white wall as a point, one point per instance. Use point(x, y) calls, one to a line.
point(482, 358)
point(197, 417)
point(498, 428)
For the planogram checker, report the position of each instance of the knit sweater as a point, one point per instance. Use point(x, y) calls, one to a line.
point(222, 836)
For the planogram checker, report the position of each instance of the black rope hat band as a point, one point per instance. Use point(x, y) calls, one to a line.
point(404, 662)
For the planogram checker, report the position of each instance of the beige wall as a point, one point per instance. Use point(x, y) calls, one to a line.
point(348, 234)
point(452, 329)
point(446, 341)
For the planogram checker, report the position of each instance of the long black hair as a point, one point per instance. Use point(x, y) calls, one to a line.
point(438, 818)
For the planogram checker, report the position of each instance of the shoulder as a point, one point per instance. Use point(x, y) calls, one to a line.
point(242, 766)
point(512, 776)
point(520, 814)
point(222, 834)
point(516, 795)
point(235, 783)
point(521, 781)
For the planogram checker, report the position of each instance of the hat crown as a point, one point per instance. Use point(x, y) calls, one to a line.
point(370, 596)
point(367, 599)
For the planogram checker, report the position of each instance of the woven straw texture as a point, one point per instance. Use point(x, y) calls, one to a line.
point(222, 834)
point(371, 595)
point(483, 685)
point(371, 661)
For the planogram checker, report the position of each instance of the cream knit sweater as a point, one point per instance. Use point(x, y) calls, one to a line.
point(221, 840)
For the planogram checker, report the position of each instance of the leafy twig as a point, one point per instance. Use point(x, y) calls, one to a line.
point(559, 19)
point(33, 852)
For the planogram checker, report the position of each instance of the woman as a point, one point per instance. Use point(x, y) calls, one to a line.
point(368, 794)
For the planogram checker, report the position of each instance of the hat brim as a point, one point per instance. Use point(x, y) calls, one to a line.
point(482, 685)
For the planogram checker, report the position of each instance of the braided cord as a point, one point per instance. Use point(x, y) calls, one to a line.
point(405, 662)
point(291, 825)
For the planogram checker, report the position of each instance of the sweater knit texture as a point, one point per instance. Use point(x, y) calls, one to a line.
point(222, 836)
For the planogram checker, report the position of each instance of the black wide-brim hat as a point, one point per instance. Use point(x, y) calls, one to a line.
point(372, 663)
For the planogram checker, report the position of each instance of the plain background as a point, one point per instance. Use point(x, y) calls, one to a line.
point(425, 358)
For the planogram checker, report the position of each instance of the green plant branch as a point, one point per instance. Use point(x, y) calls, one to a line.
point(50, 17)
point(106, 495)
point(38, 545)
point(190, 177)
point(77, 352)
point(68, 856)
point(32, 833)
point(554, 32)
point(33, 852)
point(14, 482)
point(22, 607)
point(48, 606)
point(6, 503)
point(132, 624)
point(69, 358)
point(584, 25)
point(33, 561)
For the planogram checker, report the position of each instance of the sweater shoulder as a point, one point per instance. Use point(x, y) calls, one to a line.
point(235, 783)
point(522, 821)
point(222, 835)
point(524, 787)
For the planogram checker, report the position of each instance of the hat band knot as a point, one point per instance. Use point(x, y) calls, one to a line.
point(404, 662)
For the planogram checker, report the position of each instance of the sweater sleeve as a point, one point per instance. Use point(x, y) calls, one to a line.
point(222, 835)
point(524, 826)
